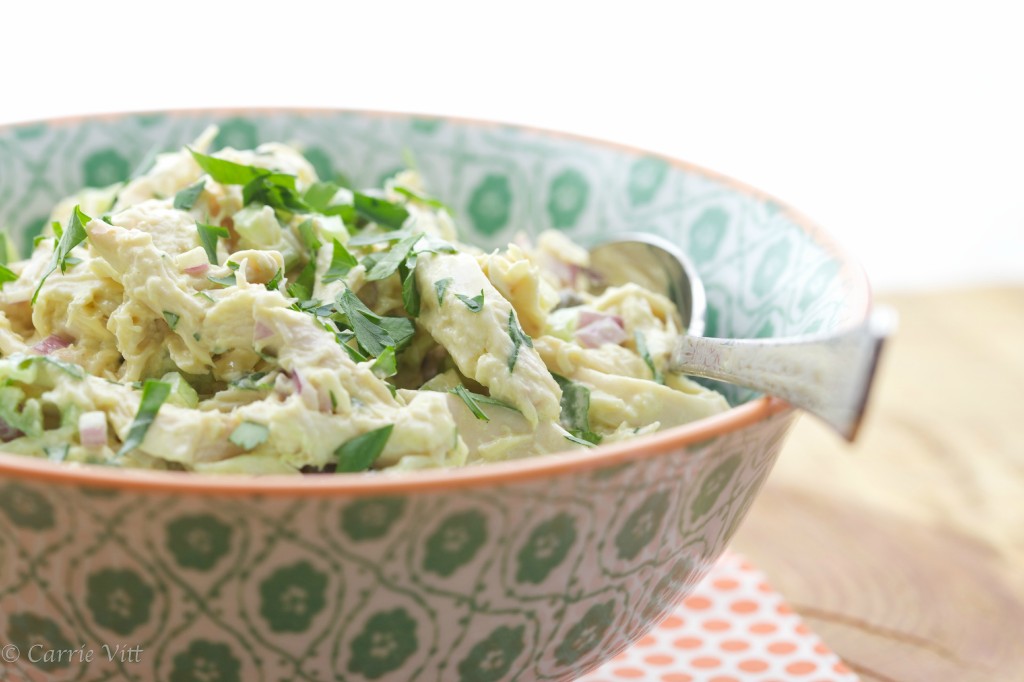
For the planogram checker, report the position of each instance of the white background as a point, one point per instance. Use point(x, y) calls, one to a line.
point(896, 126)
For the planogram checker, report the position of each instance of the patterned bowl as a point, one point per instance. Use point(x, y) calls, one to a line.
point(538, 569)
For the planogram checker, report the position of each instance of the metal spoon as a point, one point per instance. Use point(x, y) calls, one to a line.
point(828, 375)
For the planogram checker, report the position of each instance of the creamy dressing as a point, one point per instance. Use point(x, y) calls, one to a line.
point(246, 317)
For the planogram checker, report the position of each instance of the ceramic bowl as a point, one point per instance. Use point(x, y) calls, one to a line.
point(532, 570)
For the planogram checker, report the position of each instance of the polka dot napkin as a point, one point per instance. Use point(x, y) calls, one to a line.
point(733, 628)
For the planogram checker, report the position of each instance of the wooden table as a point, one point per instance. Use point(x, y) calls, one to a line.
point(905, 551)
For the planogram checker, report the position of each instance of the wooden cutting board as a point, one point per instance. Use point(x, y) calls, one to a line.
point(905, 551)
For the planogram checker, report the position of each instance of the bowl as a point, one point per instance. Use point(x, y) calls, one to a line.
point(534, 569)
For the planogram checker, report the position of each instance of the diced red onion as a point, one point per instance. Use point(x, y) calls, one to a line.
point(92, 429)
point(588, 317)
point(261, 331)
point(8, 432)
point(600, 332)
point(564, 273)
point(197, 270)
point(50, 344)
point(297, 380)
point(325, 400)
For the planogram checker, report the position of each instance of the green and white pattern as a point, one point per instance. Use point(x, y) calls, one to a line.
point(540, 578)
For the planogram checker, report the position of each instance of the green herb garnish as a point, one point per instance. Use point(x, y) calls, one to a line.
point(645, 353)
point(248, 435)
point(172, 319)
point(388, 264)
point(302, 287)
point(208, 235)
point(401, 329)
point(69, 239)
point(470, 402)
point(370, 334)
point(371, 238)
point(361, 452)
point(410, 289)
point(441, 286)
point(388, 215)
point(227, 172)
point(6, 275)
point(186, 198)
point(475, 400)
point(276, 190)
point(341, 263)
point(251, 382)
point(8, 252)
point(275, 282)
point(475, 304)
point(69, 368)
point(318, 196)
point(227, 281)
point(308, 235)
point(575, 416)
point(154, 393)
point(518, 337)
point(428, 201)
point(386, 364)
point(579, 441)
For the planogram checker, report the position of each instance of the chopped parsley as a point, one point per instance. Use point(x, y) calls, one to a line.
point(400, 329)
point(410, 289)
point(518, 337)
point(645, 353)
point(308, 235)
point(579, 441)
point(370, 334)
point(248, 435)
point(470, 402)
point(227, 280)
point(361, 452)
point(6, 275)
point(387, 265)
point(425, 200)
point(172, 319)
point(388, 215)
point(252, 382)
point(154, 393)
point(370, 238)
point(319, 195)
point(208, 235)
point(475, 304)
point(275, 282)
point(575, 416)
point(276, 190)
point(69, 239)
point(386, 364)
point(68, 368)
point(302, 287)
point(341, 263)
point(441, 286)
point(186, 198)
point(8, 251)
point(227, 172)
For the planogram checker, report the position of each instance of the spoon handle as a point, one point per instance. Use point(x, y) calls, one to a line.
point(827, 375)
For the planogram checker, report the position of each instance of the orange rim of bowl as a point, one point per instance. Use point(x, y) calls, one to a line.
point(384, 483)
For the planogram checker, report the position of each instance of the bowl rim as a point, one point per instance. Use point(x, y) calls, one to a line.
point(13, 466)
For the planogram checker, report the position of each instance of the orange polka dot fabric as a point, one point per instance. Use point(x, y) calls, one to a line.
point(733, 628)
